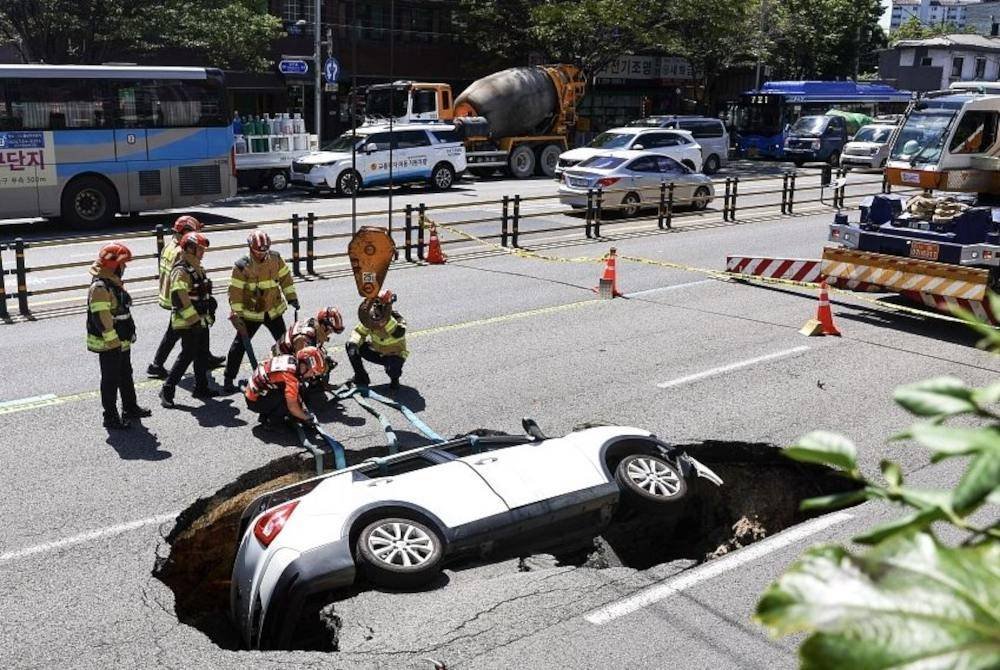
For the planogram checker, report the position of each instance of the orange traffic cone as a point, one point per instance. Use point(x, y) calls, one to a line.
point(823, 323)
point(607, 287)
point(434, 254)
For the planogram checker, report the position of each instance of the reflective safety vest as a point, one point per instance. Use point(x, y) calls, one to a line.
point(109, 319)
point(275, 375)
point(167, 258)
point(260, 289)
point(301, 334)
point(389, 340)
point(190, 295)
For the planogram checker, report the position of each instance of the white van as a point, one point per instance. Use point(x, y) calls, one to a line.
point(709, 133)
point(422, 152)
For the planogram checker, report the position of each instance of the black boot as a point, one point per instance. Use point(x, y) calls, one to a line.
point(136, 412)
point(115, 422)
point(228, 387)
point(167, 396)
point(360, 380)
point(216, 361)
point(156, 371)
point(394, 383)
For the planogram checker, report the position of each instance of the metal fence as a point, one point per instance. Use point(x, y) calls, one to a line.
point(308, 242)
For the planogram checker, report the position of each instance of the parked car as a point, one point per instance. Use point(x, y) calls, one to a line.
point(677, 144)
point(631, 180)
point(869, 148)
point(420, 153)
point(399, 519)
point(709, 133)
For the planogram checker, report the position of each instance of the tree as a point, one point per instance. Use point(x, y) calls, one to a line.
point(221, 33)
point(910, 600)
point(915, 29)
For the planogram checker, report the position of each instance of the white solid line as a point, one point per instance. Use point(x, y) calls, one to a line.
point(27, 401)
point(731, 367)
point(668, 288)
point(87, 537)
point(713, 569)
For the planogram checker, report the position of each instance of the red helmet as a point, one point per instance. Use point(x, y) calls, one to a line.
point(387, 297)
point(313, 359)
point(193, 240)
point(113, 255)
point(331, 319)
point(186, 224)
point(259, 241)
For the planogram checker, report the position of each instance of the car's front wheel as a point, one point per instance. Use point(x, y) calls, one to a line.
point(702, 196)
point(650, 482)
point(348, 182)
point(711, 165)
point(396, 552)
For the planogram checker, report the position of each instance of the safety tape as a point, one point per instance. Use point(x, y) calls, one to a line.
point(715, 274)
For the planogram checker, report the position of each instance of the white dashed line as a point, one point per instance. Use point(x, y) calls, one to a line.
point(732, 366)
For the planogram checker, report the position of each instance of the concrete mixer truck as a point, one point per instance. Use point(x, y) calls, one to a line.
point(515, 120)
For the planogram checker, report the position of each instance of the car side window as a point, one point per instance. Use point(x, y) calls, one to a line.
point(380, 140)
point(644, 164)
point(447, 136)
point(412, 139)
point(658, 140)
point(400, 467)
point(669, 166)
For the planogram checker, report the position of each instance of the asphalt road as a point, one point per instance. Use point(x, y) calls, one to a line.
point(493, 338)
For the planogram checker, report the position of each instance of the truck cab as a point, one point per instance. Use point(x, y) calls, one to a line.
point(409, 102)
point(819, 138)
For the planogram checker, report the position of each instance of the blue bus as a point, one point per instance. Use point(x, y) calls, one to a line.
point(762, 117)
point(85, 143)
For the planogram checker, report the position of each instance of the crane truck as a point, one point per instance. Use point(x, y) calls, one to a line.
point(945, 251)
point(516, 120)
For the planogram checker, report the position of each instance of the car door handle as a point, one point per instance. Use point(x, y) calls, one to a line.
point(485, 461)
point(378, 482)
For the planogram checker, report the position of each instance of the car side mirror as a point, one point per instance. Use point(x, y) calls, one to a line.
point(637, 147)
point(371, 147)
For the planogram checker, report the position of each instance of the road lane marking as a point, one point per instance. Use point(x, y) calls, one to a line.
point(732, 366)
point(668, 288)
point(713, 569)
point(33, 401)
point(82, 538)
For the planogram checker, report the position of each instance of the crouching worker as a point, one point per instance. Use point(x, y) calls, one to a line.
point(275, 388)
point(313, 332)
point(383, 342)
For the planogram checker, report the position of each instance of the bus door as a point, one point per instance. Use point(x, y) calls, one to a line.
point(146, 182)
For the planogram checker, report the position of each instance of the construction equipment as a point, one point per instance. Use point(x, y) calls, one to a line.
point(516, 120)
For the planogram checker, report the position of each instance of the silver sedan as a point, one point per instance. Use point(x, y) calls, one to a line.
point(630, 181)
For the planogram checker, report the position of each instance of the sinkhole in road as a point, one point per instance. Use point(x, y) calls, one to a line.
point(760, 497)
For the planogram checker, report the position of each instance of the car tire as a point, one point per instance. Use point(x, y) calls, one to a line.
point(442, 177)
point(348, 182)
point(649, 483)
point(548, 159)
point(89, 203)
point(834, 159)
point(702, 196)
point(630, 205)
point(384, 560)
point(521, 162)
point(798, 162)
point(712, 164)
point(278, 181)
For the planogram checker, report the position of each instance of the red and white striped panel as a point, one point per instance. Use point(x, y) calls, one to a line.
point(795, 269)
point(945, 303)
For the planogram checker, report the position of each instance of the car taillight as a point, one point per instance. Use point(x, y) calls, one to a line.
point(607, 181)
point(270, 524)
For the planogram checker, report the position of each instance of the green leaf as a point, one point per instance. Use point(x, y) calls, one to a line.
point(949, 441)
point(891, 472)
point(834, 501)
point(824, 448)
point(911, 603)
point(943, 396)
point(916, 521)
point(987, 396)
point(980, 480)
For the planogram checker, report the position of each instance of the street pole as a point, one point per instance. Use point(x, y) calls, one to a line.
point(318, 69)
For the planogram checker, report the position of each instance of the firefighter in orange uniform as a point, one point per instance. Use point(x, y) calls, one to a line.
point(274, 391)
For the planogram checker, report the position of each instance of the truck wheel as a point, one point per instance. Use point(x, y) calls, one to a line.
point(89, 203)
point(278, 180)
point(347, 182)
point(442, 177)
point(522, 162)
point(548, 158)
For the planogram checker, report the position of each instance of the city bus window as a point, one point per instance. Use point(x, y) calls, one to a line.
point(170, 104)
point(54, 104)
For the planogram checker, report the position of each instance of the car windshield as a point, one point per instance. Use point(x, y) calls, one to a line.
point(611, 141)
point(602, 162)
point(922, 135)
point(873, 134)
point(809, 125)
point(343, 143)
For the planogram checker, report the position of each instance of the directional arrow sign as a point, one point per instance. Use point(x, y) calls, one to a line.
point(293, 67)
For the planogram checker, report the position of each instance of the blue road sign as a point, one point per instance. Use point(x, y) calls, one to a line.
point(331, 69)
point(293, 67)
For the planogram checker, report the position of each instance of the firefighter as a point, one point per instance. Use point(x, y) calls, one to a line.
point(260, 290)
point(313, 332)
point(193, 313)
point(110, 334)
point(183, 224)
point(274, 391)
point(383, 344)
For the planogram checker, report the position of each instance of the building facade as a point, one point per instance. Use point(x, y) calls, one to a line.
point(930, 12)
point(934, 63)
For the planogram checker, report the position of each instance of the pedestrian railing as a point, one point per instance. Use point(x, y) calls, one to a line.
point(502, 222)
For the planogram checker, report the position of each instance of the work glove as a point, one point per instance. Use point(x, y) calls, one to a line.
point(294, 302)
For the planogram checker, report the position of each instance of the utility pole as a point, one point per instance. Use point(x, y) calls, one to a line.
point(318, 68)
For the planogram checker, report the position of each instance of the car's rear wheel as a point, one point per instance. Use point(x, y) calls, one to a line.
point(650, 482)
point(399, 553)
point(702, 196)
point(278, 181)
point(630, 205)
